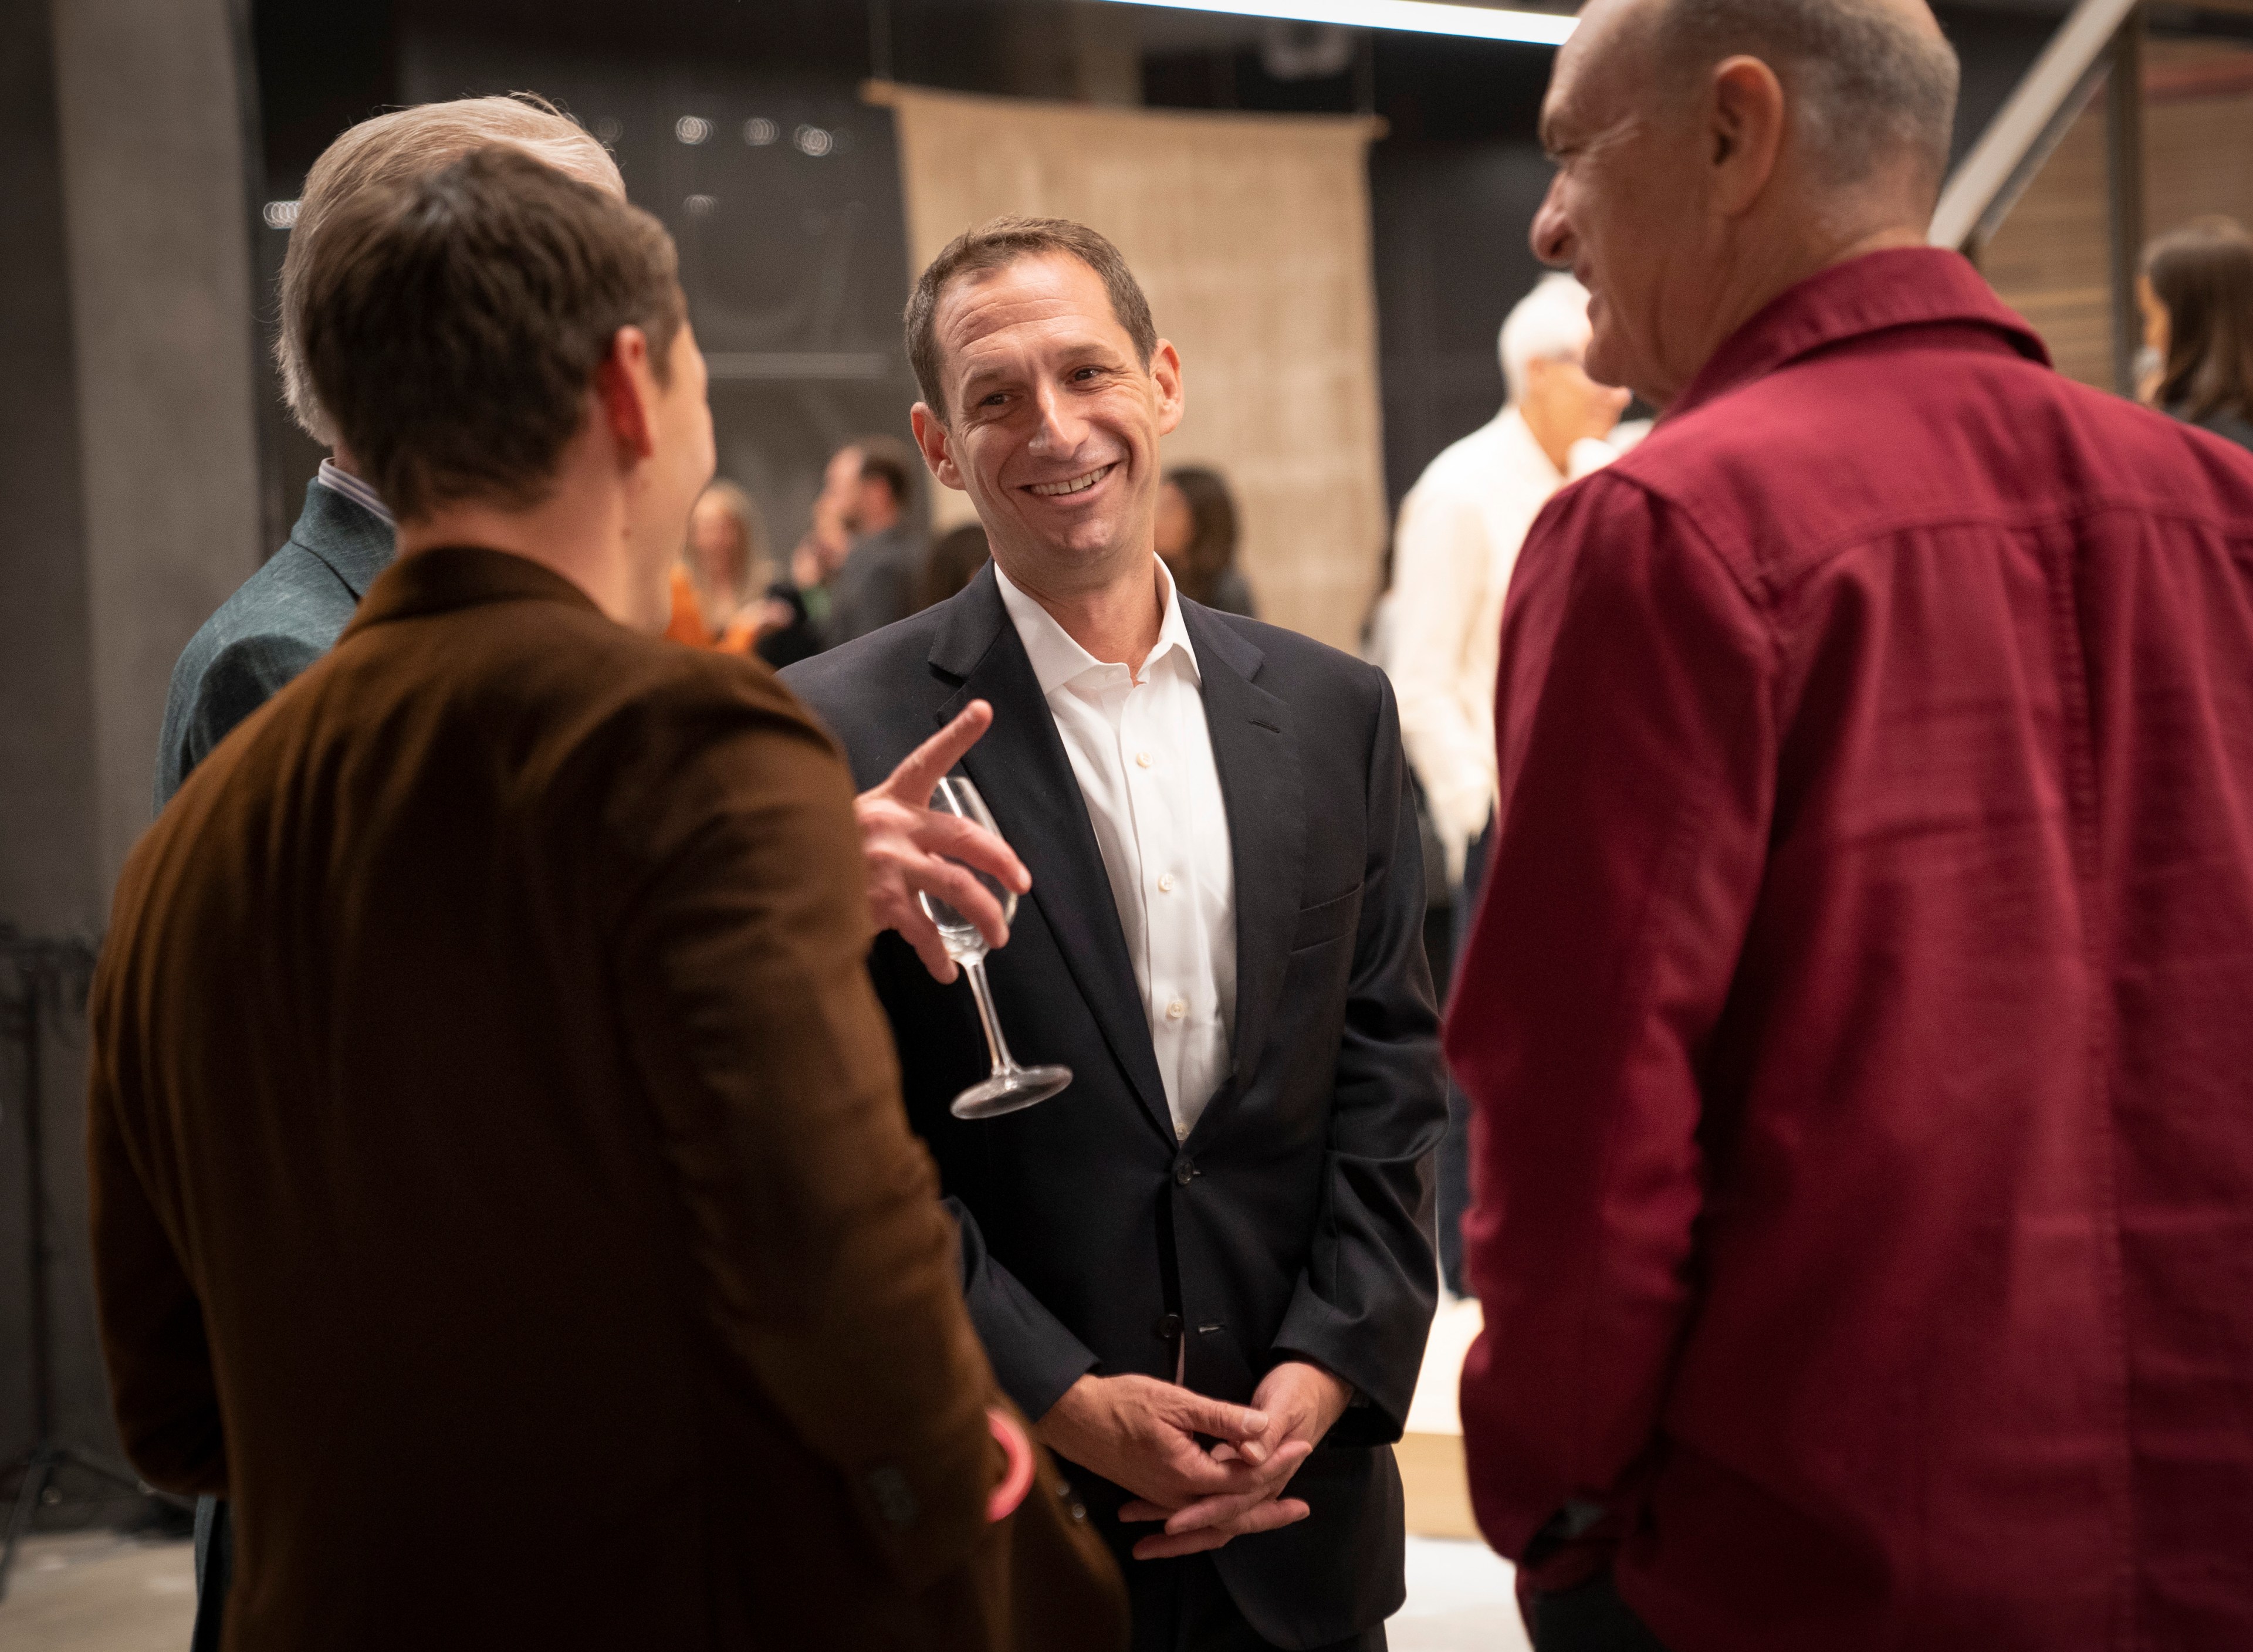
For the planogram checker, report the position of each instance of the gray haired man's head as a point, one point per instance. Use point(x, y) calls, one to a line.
point(1871, 82)
point(1711, 154)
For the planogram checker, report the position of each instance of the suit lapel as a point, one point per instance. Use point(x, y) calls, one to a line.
point(1256, 748)
point(1021, 769)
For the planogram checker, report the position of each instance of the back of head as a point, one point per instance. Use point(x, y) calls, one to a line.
point(397, 148)
point(2203, 274)
point(1000, 242)
point(452, 323)
point(1549, 323)
point(1872, 83)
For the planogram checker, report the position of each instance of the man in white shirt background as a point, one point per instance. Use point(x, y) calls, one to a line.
point(1221, 1230)
point(1455, 543)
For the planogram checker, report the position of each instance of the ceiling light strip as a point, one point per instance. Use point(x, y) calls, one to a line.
point(1415, 16)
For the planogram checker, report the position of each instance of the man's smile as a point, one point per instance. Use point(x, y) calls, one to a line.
point(1075, 484)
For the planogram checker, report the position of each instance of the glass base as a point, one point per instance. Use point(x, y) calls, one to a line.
point(1007, 1092)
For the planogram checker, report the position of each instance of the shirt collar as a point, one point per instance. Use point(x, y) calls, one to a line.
point(1058, 658)
point(1900, 287)
point(335, 477)
point(1521, 447)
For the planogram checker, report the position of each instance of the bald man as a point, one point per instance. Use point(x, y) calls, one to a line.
point(1857, 1015)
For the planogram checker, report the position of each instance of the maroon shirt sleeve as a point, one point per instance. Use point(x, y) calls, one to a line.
point(1636, 731)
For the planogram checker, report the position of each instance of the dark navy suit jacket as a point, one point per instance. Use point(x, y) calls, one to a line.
point(1296, 1220)
point(280, 620)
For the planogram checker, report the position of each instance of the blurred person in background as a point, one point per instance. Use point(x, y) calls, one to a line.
point(2196, 291)
point(484, 1066)
point(876, 583)
point(953, 563)
point(727, 574)
point(1197, 536)
point(814, 563)
point(289, 612)
point(1856, 1012)
point(1457, 540)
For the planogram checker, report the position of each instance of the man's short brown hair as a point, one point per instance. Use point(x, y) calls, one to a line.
point(1002, 242)
point(453, 324)
point(396, 147)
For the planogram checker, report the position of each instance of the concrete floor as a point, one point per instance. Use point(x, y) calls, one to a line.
point(92, 1591)
point(96, 1592)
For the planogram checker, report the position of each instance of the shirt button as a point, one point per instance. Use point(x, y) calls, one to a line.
point(1181, 1130)
point(1165, 882)
point(1141, 759)
point(1175, 1010)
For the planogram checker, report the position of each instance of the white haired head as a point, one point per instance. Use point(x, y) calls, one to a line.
point(1549, 323)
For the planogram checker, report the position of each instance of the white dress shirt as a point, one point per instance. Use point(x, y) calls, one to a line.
point(1461, 528)
point(336, 477)
point(1142, 753)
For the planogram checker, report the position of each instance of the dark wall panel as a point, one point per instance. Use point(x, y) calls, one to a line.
point(1448, 225)
point(783, 194)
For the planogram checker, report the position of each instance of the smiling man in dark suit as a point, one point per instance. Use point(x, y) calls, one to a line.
point(1220, 1233)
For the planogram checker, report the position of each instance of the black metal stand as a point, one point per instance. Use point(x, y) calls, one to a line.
point(49, 976)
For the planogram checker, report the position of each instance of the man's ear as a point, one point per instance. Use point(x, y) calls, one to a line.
point(1746, 137)
point(932, 440)
point(627, 389)
point(1166, 372)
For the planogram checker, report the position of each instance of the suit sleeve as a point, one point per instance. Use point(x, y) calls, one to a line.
point(1363, 1306)
point(828, 1269)
point(241, 678)
point(161, 1387)
point(1035, 1356)
point(1637, 732)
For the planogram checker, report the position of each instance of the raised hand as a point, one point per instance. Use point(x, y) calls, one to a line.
point(906, 845)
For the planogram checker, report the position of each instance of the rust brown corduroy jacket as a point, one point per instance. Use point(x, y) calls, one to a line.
point(500, 1186)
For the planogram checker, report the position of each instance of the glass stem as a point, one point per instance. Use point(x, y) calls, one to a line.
point(1002, 1061)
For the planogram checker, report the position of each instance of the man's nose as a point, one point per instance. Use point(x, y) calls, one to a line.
point(1060, 429)
point(1552, 236)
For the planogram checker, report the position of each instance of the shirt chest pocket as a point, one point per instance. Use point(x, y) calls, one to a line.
point(1326, 921)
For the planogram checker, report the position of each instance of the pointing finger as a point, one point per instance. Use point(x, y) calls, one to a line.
point(921, 770)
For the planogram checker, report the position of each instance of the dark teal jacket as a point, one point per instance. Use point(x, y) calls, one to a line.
point(279, 621)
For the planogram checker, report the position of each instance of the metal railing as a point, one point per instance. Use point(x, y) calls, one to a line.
point(2099, 45)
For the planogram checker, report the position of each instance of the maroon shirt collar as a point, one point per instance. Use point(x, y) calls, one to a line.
point(1901, 287)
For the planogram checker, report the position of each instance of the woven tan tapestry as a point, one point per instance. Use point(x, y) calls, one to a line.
point(1251, 235)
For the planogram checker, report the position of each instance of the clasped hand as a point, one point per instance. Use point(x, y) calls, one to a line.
point(1142, 1433)
point(909, 847)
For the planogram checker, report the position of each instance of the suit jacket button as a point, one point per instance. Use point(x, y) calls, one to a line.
point(1167, 1328)
point(1185, 1172)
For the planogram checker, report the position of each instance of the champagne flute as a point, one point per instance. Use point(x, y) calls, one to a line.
point(1011, 1086)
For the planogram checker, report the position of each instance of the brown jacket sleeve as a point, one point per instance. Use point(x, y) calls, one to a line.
point(161, 1387)
point(830, 1264)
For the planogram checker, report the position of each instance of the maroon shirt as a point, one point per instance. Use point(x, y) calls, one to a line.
point(1860, 1013)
